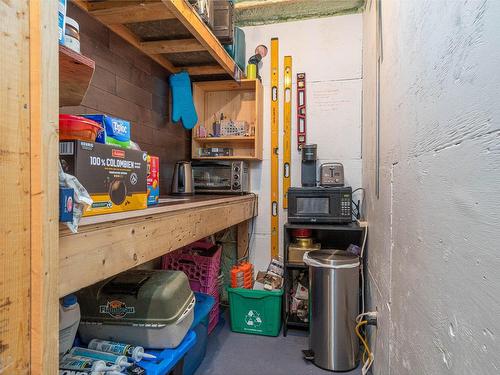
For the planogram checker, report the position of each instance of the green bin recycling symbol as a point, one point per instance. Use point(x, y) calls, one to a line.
point(253, 319)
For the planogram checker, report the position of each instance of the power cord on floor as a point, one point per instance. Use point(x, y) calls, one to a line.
point(370, 318)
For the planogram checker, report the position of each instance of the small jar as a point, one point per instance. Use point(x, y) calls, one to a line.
point(72, 35)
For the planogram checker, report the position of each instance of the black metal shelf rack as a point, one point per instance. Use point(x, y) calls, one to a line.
point(331, 237)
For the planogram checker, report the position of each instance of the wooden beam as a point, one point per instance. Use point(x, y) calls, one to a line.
point(111, 4)
point(105, 249)
point(44, 146)
point(190, 19)
point(133, 13)
point(82, 4)
point(172, 46)
point(15, 190)
point(204, 70)
point(131, 38)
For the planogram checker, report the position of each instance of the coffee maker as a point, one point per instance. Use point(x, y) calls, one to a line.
point(308, 169)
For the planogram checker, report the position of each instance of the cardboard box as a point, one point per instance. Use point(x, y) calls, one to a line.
point(114, 177)
point(115, 131)
point(153, 180)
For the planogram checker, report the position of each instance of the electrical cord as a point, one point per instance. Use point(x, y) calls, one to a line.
point(360, 204)
point(246, 255)
point(362, 253)
point(367, 362)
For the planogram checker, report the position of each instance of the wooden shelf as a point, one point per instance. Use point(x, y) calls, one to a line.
point(224, 139)
point(237, 101)
point(168, 31)
point(106, 245)
point(75, 74)
point(224, 158)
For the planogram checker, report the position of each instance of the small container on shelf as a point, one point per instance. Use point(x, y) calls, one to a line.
point(72, 34)
point(79, 128)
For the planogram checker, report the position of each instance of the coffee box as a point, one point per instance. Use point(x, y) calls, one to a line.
point(114, 177)
point(153, 181)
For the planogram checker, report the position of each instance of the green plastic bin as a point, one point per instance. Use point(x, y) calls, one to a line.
point(257, 312)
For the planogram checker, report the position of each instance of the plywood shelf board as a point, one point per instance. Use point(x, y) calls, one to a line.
point(75, 74)
point(170, 32)
point(234, 157)
point(224, 139)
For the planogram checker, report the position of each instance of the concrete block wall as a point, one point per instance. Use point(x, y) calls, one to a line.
point(328, 50)
point(433, 256)
point(129, 85)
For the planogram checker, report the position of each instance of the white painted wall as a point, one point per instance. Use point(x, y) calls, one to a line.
point(433, 250)
point(328, 50)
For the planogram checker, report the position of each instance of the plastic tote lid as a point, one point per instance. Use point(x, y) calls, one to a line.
point(331, 259)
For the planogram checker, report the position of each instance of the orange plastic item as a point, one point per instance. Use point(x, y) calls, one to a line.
point(73, 127)
point(242, 276)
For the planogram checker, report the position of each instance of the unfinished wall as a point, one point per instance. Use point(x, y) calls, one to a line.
point(433, 255)
point(129, 85)
point(328, 50)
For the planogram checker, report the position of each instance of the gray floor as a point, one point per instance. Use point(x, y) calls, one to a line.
point(230, 353)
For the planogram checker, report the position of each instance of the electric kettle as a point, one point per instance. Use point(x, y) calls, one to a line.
point(182, 180)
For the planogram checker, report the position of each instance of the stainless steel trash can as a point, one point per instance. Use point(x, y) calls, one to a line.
point(334, 305)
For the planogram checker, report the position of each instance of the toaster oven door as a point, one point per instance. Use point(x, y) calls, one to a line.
point(212, 177)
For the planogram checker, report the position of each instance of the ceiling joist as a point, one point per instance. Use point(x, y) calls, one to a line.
point(172, 46)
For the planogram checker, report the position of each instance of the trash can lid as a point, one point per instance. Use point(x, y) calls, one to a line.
point(331, 259)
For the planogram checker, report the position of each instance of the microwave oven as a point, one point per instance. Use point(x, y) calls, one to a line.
point(221, 177)
point(321, 205)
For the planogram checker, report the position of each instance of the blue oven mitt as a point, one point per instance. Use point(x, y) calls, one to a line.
point(182, 100)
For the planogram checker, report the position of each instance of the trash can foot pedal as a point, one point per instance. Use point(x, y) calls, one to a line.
point(308, 355)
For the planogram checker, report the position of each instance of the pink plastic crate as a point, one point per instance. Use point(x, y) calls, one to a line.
point(200, 261)
point(213, 315)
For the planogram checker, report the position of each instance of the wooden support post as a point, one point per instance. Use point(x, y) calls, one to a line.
point(243, 239)
point(15, 190)
point(28, 218)
point(44, 160)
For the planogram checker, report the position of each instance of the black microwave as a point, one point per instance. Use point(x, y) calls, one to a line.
point(322, 205)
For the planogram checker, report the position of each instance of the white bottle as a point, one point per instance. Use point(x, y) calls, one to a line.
point(69, 319)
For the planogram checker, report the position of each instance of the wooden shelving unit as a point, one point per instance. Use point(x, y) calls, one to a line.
point(168, 31)
point(237, 101)
point(75, 74)
point(42, 262)
point(106, 245)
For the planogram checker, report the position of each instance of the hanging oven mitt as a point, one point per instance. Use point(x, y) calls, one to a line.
point(182, 100)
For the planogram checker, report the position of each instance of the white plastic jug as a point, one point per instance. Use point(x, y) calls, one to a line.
point(69, 319)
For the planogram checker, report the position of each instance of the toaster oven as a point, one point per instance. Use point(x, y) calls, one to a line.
point(221, 177)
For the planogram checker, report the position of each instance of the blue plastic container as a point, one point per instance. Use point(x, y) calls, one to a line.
point(66, 199)
point(237, 50)
point(166, 360)
point(195, 355)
